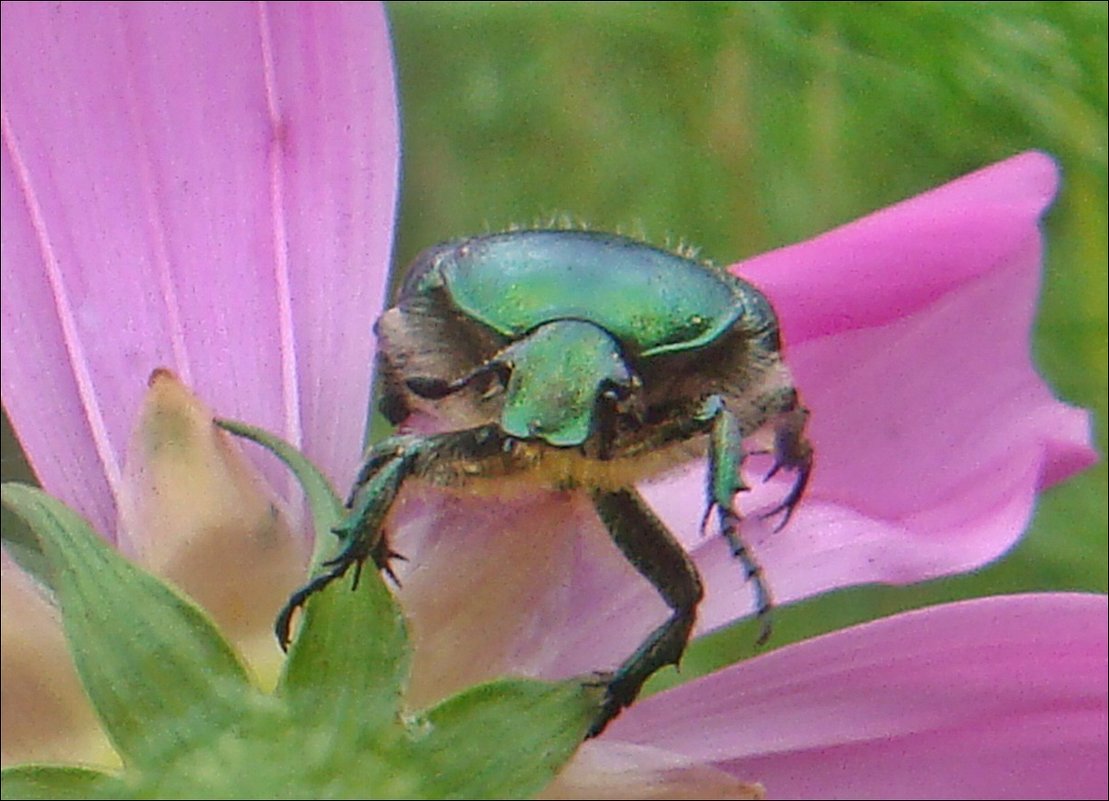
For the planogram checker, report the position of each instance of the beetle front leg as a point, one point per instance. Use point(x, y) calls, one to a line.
point(361, 531)
point(659, 558)
point(724, 483)
point(388, 465)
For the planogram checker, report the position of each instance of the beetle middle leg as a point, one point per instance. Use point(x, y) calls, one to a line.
point(724, 483)
point(659, 558)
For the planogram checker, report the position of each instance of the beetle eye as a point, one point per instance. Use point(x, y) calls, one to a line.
point(616, 392)
point(624, 398)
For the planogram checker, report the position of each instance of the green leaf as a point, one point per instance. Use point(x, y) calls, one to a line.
point(349, 662)
point(57, 782)
point(505, 739)
point(157, 671)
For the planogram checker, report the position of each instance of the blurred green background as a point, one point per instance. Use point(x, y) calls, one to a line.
point(740, 127)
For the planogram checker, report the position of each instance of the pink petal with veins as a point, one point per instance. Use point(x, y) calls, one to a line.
point(205, 187)
point(999, 697)
point(603, 769)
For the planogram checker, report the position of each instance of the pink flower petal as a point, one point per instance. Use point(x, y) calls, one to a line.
point(605, 769)
point(505, 592)
point(897, 261)
point(932, 430)
point(206, 187)
point(999, 697)
point(217, 533)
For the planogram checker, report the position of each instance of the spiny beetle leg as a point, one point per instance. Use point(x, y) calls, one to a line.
point(660, 559)
point(387, 466)
point(789, 503)
point(283, 624)
point(752, 571)
point(335, 569)
point(361, 532)
point(725, 482)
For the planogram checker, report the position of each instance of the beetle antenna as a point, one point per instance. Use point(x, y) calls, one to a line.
point(430, 388)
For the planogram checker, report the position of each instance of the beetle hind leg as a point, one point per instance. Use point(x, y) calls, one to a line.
point(659, 558)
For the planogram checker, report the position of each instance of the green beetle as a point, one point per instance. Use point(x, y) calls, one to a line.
point(585, 361)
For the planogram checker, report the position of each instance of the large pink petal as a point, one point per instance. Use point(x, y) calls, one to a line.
point(1001, 697)
point(610, 769)
point(208, 187)
point(909, 338)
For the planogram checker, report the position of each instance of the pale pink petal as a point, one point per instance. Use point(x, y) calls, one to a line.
point(897, 261)
point(206, 187)
point(932, 430)
point(529, 585)
point(1000, 697)
point(604, 769)
point(503, 586)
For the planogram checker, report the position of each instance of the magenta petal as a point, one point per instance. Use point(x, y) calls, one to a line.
point(207, 187)
point(890, 264)
point(994, 698)
point(909, 339)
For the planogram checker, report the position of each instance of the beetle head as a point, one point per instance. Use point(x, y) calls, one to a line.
point(558, 381)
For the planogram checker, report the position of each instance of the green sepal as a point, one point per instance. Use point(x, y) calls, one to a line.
point(349, 662)
point(535, 728)
point(347, 669)
point(147, 657)
point(324, 504)
point(57, 782)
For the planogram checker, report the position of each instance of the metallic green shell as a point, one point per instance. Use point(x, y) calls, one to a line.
point(652, 300)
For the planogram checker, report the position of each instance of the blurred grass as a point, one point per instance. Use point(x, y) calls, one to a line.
point(740, 127)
